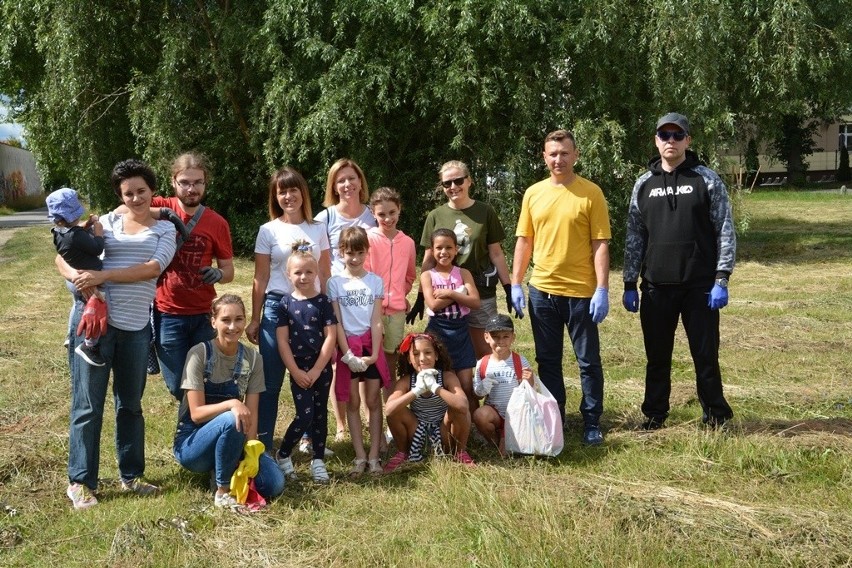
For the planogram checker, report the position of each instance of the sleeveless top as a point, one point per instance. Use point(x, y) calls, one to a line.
point(454, 310)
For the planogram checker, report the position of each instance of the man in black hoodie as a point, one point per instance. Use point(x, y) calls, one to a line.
point(681, 241)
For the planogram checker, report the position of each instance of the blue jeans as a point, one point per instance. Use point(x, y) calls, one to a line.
point(125, 353)
point(175, 335)
point(549, 316)
point(273, 371)
point(217, 446)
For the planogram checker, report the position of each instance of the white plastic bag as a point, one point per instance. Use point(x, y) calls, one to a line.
point(533, 424)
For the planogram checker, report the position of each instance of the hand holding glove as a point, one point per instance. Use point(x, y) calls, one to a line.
point(518, 300)
point(630, 301)
point(419, 386)
point(210, 274)
point(93, 322)
point(167, 214)
point(417, 309)
point(718, 297)
point(488, 384)
point(599, 306)
point(355, 364)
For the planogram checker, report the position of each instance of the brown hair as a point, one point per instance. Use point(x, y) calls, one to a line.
point(442, 358)
point(224, 300)
point(354, 239)
point(331, 197)
point(191, 160)
point(559, 136)
point(286, 178)
point(385, 194)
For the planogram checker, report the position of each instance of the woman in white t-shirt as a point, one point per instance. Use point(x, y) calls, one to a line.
point(345, 200)
point(291, 220)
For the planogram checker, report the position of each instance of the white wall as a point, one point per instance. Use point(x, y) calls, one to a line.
point(12, 159)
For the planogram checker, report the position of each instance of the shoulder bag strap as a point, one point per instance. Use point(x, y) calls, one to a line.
point(191, 225)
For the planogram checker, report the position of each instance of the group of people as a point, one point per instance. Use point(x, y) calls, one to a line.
point(329, 306)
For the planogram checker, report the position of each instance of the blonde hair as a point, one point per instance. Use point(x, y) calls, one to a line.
point(224, 300)
point(301, 250)
point(331, 196)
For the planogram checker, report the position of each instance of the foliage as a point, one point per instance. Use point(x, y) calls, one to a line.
point(403, 85)
point(843, 173)
point(14, 142)
point(795, 143)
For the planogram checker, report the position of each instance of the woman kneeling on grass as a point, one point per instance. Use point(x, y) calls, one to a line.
point(427, 403)
point(222, 380)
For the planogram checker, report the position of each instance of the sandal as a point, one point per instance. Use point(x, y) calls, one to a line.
point(359, 465)
point(375, 466)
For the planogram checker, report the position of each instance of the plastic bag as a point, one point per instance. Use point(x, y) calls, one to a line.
point(533, 424)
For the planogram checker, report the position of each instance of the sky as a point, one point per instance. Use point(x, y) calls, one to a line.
point(8, 129)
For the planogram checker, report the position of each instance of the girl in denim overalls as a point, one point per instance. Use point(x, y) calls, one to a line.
point(222, 380)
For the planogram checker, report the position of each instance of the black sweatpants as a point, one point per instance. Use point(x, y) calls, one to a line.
point(660, 308)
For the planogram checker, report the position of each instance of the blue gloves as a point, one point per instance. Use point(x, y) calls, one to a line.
point(630, 301)
point(518, 300)
point(718, 297)
point(509, 307)
point(599, 306)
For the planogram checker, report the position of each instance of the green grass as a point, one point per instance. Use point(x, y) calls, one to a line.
point(773, 490)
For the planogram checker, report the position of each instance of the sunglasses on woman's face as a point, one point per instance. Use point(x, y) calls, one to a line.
point(449, 182)
point(666, 135)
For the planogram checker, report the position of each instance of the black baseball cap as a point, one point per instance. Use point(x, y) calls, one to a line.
point(674, 118)
point(500, 322)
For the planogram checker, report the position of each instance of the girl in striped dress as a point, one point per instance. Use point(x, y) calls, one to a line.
point(427, 404)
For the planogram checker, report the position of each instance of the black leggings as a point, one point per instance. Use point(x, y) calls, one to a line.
point(311, 415)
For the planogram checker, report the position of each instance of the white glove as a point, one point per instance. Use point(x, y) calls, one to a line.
point(488, 384)
point(462, 289)
point(430, 379)
point(355, 364)
point(419, 386)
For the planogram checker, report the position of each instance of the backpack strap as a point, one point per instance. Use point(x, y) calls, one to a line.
point(483, 365)
point(191, 224)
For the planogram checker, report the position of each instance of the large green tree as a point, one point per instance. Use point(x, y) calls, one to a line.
point(404, 85)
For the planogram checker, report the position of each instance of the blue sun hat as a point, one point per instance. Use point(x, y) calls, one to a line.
point(64, 205)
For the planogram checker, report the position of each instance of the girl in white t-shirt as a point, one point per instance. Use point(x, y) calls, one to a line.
point(356, 296)
point(291, 221)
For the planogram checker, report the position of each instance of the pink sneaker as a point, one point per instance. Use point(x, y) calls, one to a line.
point(464, 458)
point(397, 460)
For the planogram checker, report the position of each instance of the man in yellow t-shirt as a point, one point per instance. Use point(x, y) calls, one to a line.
point(564, 228)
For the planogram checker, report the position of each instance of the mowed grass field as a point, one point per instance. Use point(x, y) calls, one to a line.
point(773, 489)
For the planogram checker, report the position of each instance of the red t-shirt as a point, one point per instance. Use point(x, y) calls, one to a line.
point(180, 290)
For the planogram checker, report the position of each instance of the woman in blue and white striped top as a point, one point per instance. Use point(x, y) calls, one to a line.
point(137, 249)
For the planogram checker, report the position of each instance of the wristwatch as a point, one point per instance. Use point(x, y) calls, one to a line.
point(722, 282)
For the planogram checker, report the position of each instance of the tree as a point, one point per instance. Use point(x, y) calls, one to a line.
point(794, 144)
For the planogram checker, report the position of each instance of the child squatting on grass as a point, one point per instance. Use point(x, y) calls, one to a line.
point(427, 403)
point(356, 296)
point(307, 337)
point(496, 377)
point(222, 380)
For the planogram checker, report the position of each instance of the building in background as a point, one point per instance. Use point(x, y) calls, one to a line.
point(18, 174)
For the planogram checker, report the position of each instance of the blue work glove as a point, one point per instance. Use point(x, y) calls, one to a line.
point(210, 275)
point(630, 301)
point(167, 214)
point(599, 306)
point(718, 297)
point(518, 300)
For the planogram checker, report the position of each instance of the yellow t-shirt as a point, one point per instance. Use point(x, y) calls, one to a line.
point(562, 222)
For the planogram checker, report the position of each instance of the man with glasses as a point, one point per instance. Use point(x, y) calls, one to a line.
point(564, 227)
point(186, 290)
point(681, 241)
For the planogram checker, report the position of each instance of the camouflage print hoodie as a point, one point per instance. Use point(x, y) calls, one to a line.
point(680, 229)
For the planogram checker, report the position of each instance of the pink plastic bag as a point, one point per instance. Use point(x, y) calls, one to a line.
point(533, 424)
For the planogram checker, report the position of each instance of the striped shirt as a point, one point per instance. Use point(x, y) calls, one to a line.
point(504, 372)
point(431, 407)
point(129, 302)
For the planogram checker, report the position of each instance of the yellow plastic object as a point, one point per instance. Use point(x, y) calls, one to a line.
point(246, 470)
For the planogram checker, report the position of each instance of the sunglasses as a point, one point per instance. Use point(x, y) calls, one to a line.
point(666, 135)
point(449, 183)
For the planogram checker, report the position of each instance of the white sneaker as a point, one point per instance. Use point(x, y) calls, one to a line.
point(328, 453)
point(318, 471)
point(286, 466)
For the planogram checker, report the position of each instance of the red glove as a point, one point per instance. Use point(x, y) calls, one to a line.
point(93, 323)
